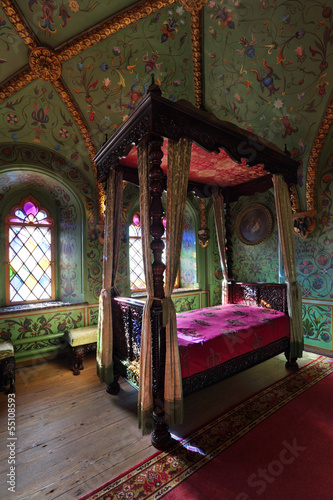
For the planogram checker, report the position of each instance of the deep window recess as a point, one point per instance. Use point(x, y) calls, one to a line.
point(29, 232)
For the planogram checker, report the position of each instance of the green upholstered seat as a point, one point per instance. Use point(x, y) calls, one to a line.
point(81, 336)
point(6, 350)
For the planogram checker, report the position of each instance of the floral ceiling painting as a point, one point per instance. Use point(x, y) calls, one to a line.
point(71, 72)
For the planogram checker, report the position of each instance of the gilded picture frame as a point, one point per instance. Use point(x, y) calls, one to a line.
point(254, 224)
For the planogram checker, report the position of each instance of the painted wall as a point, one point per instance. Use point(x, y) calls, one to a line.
point(70, 198)
point(313, 260)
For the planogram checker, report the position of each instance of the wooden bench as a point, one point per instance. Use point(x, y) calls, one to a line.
point(7, 367)
point(81, 341)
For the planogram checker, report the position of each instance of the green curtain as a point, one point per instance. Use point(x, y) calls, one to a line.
point(112, 238)
point(287, 240)
point(179, 159)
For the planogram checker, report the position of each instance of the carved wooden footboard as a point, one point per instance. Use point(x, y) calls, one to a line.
point(128, 312)
point(127, 315)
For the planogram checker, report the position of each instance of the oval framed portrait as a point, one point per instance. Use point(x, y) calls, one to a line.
point(254, 224)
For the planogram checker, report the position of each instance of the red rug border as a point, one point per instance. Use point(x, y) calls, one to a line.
point(293, 372)
point(91, 493)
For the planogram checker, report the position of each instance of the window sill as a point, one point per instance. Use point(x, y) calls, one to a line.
point(38, 306)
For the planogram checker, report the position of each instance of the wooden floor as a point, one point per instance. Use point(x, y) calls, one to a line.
point(72, 436)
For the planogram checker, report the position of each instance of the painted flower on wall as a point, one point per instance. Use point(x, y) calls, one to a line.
point(306, 267)
point(300, 53)
point(64, 133)
point(278, 103)
point(74, 5)
point(40, 116)
point(12, 119)
point(106, 83)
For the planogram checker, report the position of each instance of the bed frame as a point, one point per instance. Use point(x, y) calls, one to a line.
point(128, 318)
point(154, 119)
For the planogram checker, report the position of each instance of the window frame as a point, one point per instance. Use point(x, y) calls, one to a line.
point(142, 290)
point(51, 227)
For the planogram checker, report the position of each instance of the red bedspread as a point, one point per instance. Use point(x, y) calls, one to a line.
point(210, 336)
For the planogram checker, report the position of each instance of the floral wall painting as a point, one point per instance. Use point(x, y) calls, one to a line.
point(254, 224)
point(263, 65)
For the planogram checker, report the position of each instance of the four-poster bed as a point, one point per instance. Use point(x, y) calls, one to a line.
point(139, 340)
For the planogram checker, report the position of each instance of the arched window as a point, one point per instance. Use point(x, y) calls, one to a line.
point(29, 244)
point(137, 275)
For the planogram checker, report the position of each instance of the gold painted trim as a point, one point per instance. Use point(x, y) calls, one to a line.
point(45, 64)
point(85, 133)
point(316, 150)
point(196, 34)
point(41, 58)
point(17, 83)
point(111, 27)
point(203, 233)
point(18, 23)
point(293, 199)
point(193, 5)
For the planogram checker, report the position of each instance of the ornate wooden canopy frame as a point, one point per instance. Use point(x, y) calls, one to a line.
point(152, 121)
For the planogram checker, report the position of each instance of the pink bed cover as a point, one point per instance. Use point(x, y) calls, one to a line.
point(210, 336)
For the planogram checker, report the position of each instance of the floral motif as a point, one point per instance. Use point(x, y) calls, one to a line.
point(306, 267)
point(74, 5)
point(12, 118)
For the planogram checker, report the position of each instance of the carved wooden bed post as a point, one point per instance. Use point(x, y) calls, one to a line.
point(161, 437)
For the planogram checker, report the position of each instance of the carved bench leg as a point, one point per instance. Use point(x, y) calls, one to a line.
point(7, 373)
point(77, 359)
point(11, 376)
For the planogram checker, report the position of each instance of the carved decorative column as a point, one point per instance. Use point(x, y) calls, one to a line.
point(228, 234)
point(161, 437)
point(203, 233)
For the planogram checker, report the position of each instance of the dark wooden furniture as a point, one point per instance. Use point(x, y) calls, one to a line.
point(81, 341)
point(154, 120)
point(7, 367)
point(128, 318)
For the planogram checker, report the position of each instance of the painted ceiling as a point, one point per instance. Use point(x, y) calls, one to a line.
point(72, 71)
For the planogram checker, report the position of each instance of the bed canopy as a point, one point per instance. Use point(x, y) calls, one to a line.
point(177, 147)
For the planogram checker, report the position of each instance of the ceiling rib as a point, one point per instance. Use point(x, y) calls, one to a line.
point(46, 64)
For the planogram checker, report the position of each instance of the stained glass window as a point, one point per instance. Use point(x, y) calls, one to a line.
point(137, 275)
point(29, 246)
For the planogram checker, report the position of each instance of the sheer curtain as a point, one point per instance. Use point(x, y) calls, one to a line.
point(145, 399)
point(179, 158)
point(218, 204)
point(179, 155)
point(112, 237)
point(287, 241)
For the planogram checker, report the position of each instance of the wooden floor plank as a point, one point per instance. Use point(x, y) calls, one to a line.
point(72, 436)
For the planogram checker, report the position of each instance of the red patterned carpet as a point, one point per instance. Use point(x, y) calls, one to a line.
point(286, 456)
